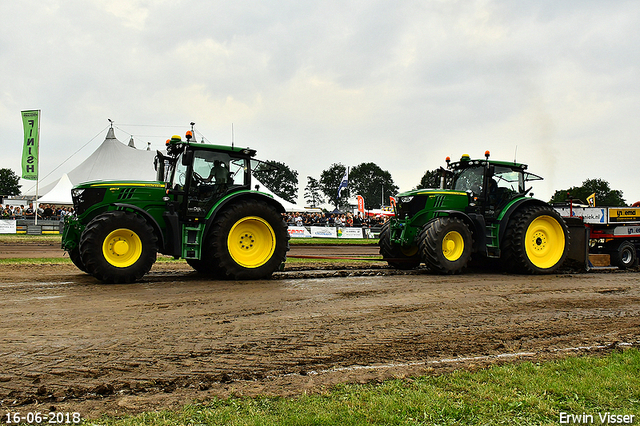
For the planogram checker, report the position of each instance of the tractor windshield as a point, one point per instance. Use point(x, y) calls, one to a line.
point(468, 179)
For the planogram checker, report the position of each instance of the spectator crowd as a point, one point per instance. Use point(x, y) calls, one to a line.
point(332, 219)
point(44, 212)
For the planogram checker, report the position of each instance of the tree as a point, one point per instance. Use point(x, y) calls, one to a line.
point(313, 192)
point(431, 179)
point(279, 178)
point(372, 183)
point(605, 196)
point(9, 182)
point(330, 181)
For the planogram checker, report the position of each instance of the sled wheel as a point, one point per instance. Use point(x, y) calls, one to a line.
point(536, 241)
point(624, 256)
point(445, 245)
point(118, 247)
point(249, 240)
point(397, 256)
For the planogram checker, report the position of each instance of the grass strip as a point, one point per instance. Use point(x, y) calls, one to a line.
point(25, 238)
point(522, 393)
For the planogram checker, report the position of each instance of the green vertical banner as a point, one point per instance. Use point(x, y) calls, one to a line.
point(31, 124)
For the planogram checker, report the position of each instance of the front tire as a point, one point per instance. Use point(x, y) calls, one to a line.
point(535, 241)
point(118, 247)
point(445, 245)
point(248, 240)
point(74, 255)
point(397, 256)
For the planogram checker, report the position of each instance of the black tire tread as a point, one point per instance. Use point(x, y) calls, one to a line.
point(91, 247)
point(430, 240)
point(515, 257)
point(390, 251)
point(216, 253)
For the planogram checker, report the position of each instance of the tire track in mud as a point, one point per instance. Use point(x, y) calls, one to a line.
point(173, 336)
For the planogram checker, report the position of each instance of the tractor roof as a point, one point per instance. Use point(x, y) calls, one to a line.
point(466, 161)
point(176, 144)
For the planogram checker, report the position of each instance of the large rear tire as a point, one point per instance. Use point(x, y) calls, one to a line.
point(248, 240)
point(445, 245)
point(536, 241)
point(397, 256)
point(118, 247)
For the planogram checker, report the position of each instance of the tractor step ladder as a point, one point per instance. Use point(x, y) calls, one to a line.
point(192, 241)
point(493, 248)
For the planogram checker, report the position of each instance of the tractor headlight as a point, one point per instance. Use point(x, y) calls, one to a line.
point(406, 199)
point(84, 198)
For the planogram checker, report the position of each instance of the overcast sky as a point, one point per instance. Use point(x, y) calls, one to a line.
point(403, 84)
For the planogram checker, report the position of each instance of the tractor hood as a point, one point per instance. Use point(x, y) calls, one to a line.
point(119, 183)
point(428, 192)
point(408, 204)
point(89, 194)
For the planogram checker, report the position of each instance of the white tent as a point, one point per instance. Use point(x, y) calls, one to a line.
point(113, 160)
point(289, 207)
point(60, 193)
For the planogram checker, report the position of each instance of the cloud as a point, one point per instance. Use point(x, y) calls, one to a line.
point(401, 84)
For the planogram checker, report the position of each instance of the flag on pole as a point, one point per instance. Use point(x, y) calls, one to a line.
point(591, 200)
point(31, 124)
point(344, 183)
point(392, 201)
point(360, 204)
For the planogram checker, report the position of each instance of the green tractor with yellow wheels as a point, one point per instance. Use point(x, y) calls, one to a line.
point(481, 209)
point(201, 208)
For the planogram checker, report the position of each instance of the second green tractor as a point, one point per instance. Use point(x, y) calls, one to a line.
point(482, 209)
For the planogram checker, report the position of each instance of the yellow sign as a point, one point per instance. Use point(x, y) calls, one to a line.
point(624, 214)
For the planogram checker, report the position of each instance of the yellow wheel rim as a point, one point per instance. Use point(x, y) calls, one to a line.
point(452, 246)
point(544, 242)
point(251, 242)
point(122, 248)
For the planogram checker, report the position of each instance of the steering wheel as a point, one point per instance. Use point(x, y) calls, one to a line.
point(198, 178)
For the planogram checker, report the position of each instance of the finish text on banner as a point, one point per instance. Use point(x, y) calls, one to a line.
point(31, 124)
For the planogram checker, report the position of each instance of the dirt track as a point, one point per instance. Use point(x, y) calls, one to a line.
point(71, 343)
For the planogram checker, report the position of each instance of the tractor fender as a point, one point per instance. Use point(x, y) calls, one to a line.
point(239, 196)
point(510, 210)
point(154, 224)
point(476, 225)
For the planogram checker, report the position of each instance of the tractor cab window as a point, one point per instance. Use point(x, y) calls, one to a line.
point(218, 169)
point(179, 174)
point(469, 179)
point(504, 185)
point(213, 175)
point(508, 179)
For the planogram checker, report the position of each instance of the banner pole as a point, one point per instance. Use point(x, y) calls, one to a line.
point(37, 171)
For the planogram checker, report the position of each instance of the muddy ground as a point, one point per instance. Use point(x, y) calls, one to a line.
point(70, 343)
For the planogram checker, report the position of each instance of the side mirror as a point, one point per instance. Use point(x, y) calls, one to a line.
point(187, 157)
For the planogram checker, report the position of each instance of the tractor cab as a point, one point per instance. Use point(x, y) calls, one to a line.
point(491, 185)
point(200, 175)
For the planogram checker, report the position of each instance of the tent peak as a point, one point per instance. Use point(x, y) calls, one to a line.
point(111, 134)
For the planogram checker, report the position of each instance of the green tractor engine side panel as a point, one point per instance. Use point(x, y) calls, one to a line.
point(416, 208)
point(94, 198)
